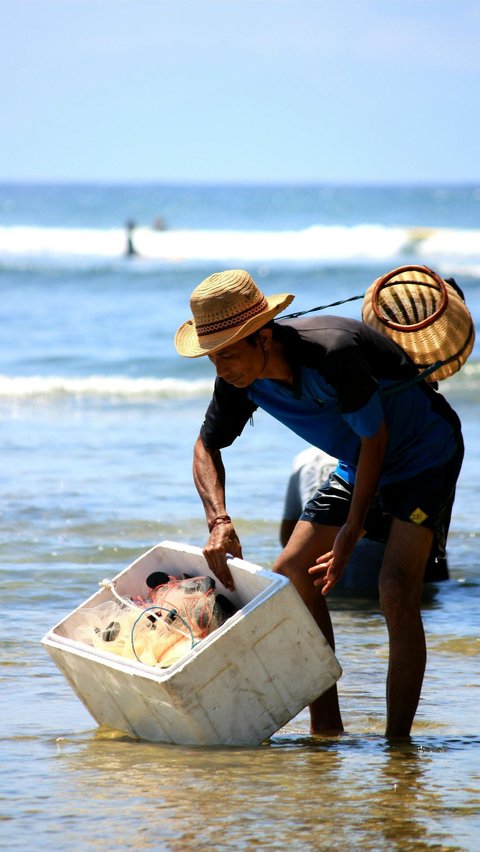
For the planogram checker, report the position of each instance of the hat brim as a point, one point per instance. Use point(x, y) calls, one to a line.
point(188, 344)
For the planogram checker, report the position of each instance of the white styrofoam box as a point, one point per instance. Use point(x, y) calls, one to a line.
point(237, 686)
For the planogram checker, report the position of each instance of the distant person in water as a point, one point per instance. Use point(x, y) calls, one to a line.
point(130, 250)
point(159, 224)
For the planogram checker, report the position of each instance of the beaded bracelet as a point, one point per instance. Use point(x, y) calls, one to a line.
point(220, 519)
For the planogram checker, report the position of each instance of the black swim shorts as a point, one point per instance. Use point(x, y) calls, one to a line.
point(425, 499)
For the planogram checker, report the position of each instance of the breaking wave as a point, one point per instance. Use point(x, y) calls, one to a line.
point(101, 387)
point(366, 242)
point(121, 388)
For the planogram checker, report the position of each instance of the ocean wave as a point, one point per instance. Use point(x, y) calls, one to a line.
point(18, 388)
point(366, 242)
point(466, 382)
point(121, 388)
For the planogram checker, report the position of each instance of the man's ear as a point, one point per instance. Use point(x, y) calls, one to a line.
point(265, 338)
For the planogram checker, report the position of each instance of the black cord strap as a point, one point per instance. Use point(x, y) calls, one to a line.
point(321, 307)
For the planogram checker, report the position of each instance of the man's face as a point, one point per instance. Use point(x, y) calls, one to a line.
point(241, 363)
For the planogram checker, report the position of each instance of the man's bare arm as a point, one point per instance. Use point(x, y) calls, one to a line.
point(209, 478)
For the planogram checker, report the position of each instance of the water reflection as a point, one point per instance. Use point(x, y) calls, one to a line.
point(82, 788)
point(295, 791)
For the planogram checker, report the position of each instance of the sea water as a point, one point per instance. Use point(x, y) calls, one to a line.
point(98, 416)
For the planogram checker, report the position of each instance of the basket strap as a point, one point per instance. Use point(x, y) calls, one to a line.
point(407, 383)
point(321, 307)
point(425, 373)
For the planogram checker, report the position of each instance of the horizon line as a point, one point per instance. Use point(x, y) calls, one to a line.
point(237, 183)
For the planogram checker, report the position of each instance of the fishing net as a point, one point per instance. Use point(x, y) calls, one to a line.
point(157, 629)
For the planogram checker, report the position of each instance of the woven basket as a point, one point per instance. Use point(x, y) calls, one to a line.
point(425, 315)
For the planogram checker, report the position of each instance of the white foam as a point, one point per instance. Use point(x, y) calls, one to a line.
point(61, 242)
point(317, 243)
point(49, 388)
point(452, 243)
point(108, 387)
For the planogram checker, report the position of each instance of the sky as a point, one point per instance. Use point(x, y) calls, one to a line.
point(240, 91)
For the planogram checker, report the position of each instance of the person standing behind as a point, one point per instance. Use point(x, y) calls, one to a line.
point(310, 468)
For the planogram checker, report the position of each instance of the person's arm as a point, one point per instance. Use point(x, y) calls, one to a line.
point(331, 565)
point(209, 478)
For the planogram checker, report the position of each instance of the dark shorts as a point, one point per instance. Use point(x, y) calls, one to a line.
point(425, 499)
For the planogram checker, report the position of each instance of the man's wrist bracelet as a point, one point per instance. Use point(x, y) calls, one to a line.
point(220, 519)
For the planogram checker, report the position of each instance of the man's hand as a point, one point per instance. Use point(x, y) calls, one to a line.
point(332, 564)
point(223, 540)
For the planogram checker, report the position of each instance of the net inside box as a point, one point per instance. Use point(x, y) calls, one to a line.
point(159, 627)
point(160, 608)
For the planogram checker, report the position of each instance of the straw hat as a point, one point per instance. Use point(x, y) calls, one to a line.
point(226, 307)
point(424, 314)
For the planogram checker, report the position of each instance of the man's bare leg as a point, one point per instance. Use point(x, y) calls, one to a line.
point(401, 581)
point(308, 541)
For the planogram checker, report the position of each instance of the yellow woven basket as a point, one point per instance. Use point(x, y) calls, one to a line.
point(425, 315)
